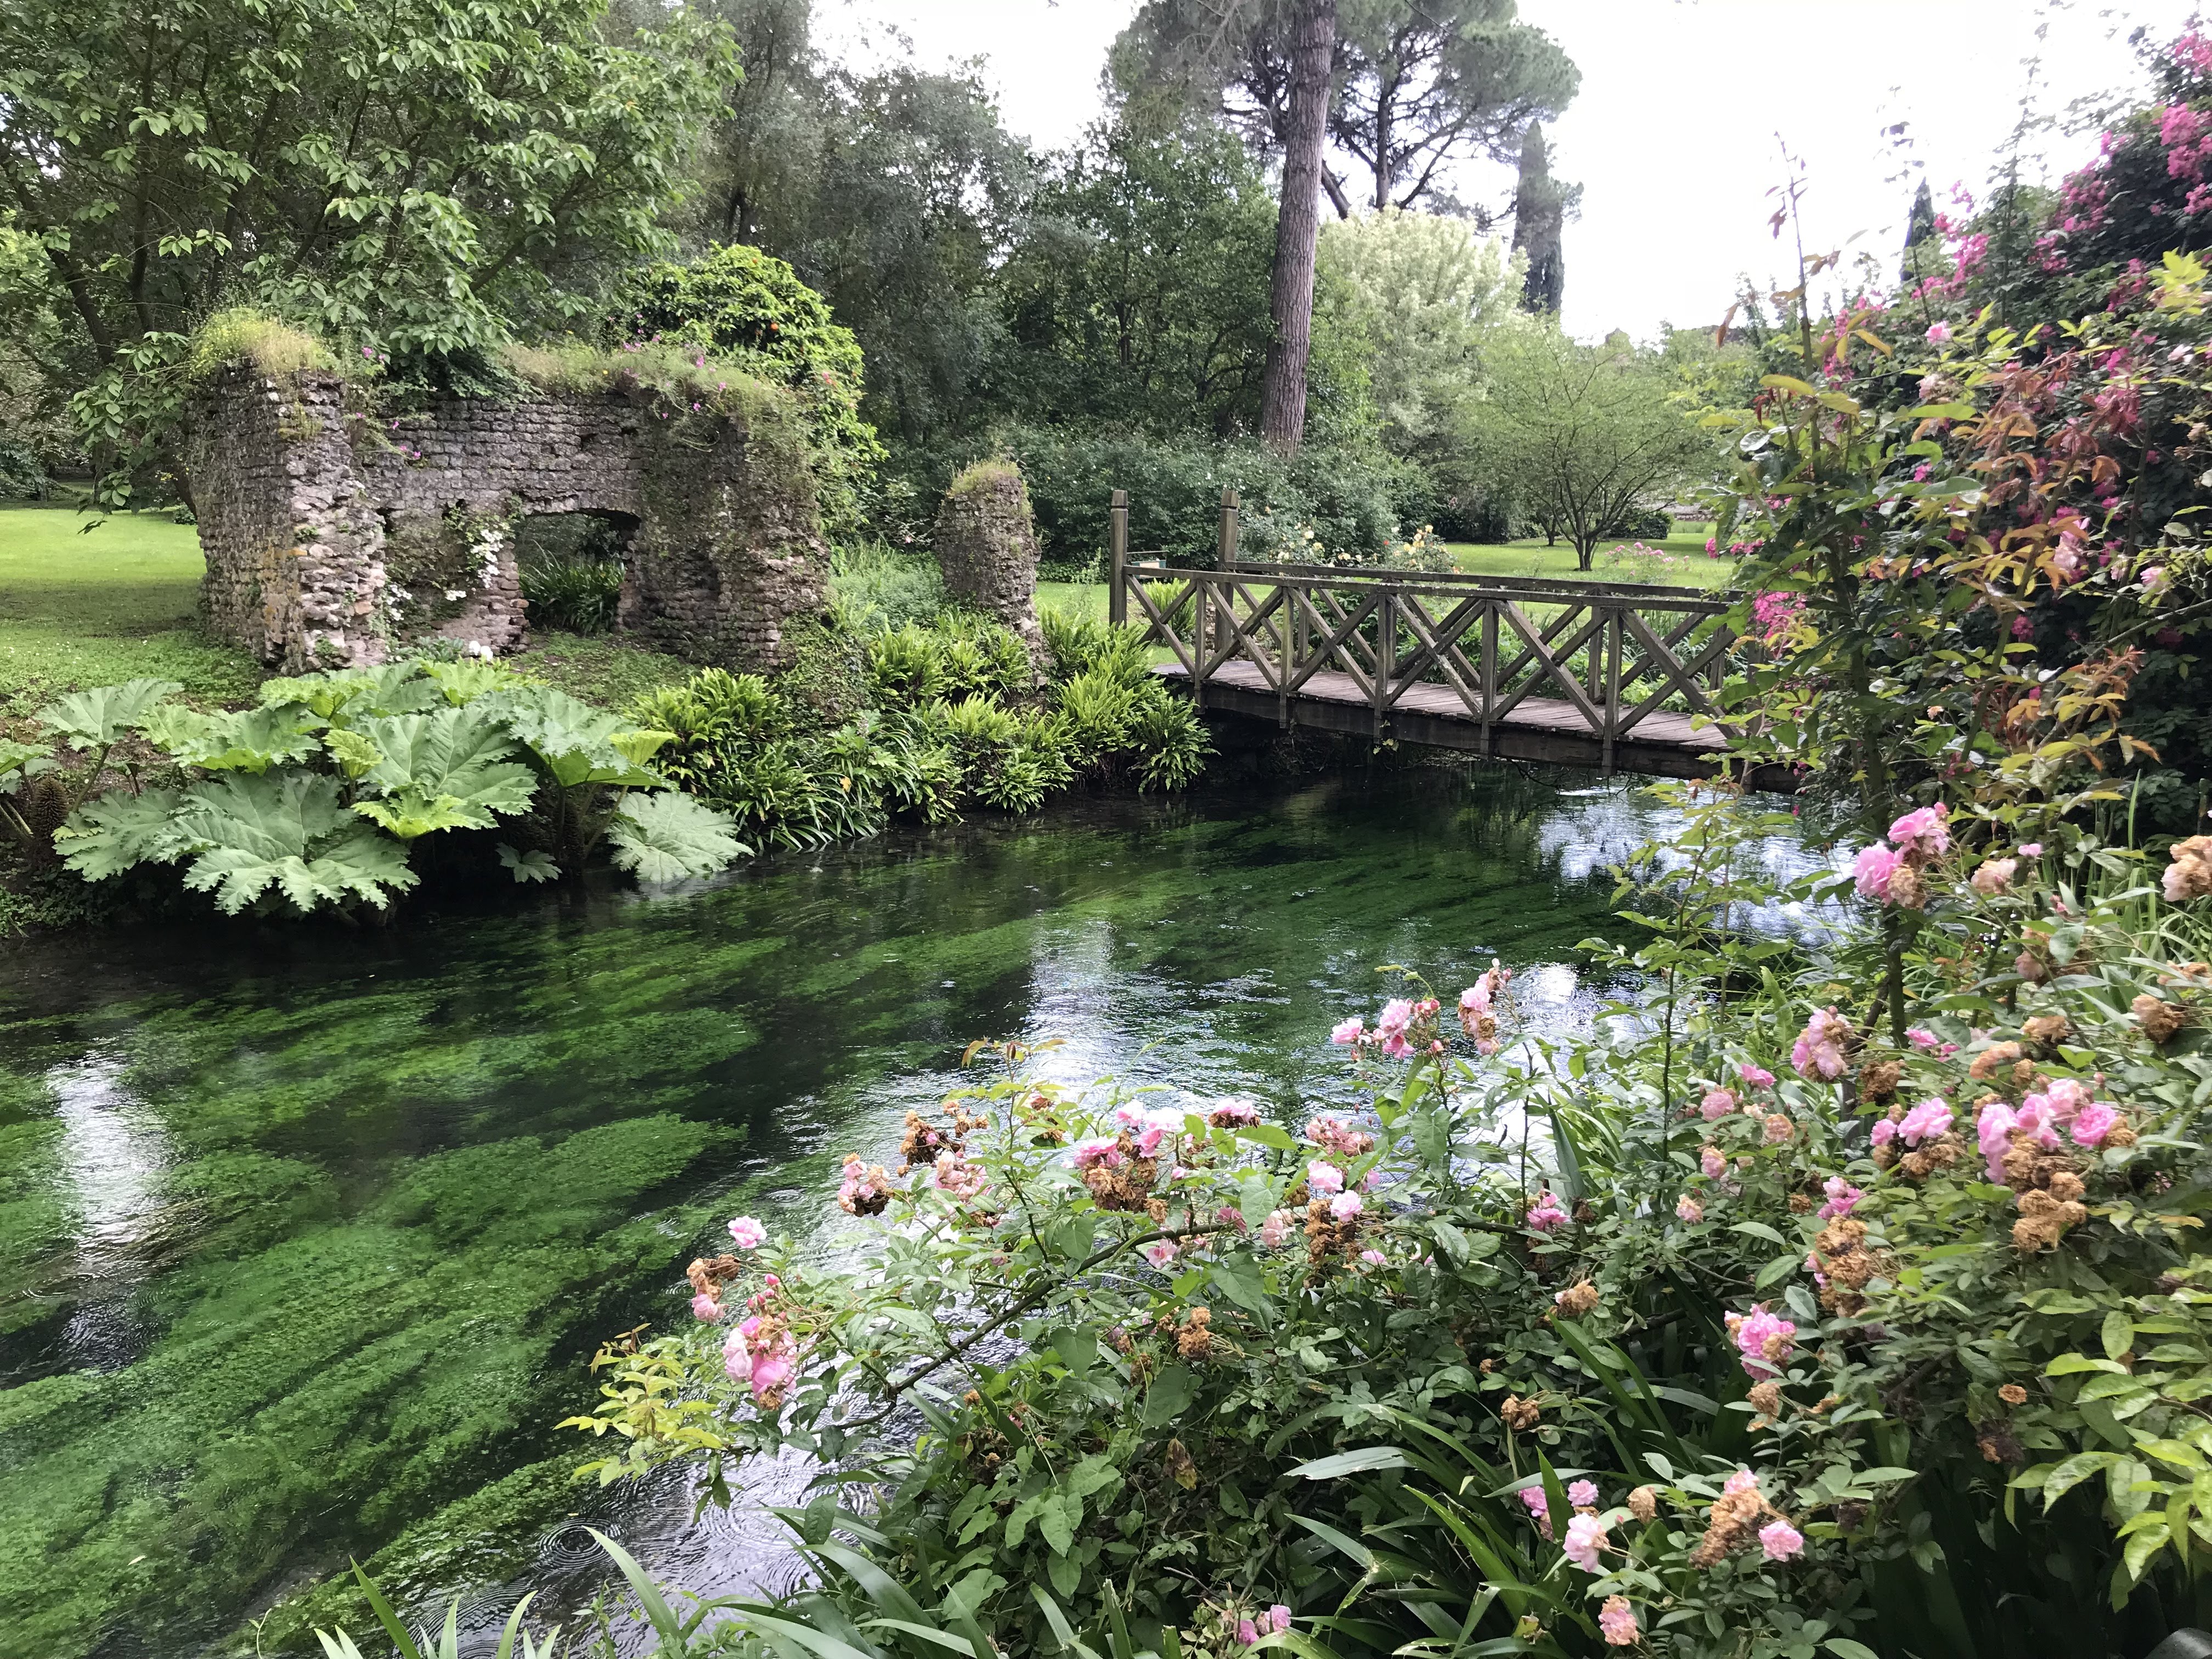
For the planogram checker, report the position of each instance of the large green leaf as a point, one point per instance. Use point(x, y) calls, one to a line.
point(667, 835)
point(95, 718)
point(572, 740)
point(21, 760)
point(248, 833)
point(454, 764)
point(399, 688)
point(253, 740)
point(464, 682)
point(112, 832)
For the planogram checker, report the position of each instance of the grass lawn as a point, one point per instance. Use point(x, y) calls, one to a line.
point(81, 608)
point(1680, 560)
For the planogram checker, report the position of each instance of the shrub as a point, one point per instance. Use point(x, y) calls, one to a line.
point(872, 587)
point(22, 475)
point(577, 595)
point(906, 666)
point(749, 308)
point(1352, 501)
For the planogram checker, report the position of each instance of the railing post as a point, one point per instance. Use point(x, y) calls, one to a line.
point(1226, 538)
point(1117, 558)
point(1612, 681)
point(1386, 653)
point(1489, 668)
point(1200, 592)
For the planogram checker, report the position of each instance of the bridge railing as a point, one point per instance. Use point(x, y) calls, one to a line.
point(1602, 657)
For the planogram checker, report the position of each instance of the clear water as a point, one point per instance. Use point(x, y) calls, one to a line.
point(305, 1234)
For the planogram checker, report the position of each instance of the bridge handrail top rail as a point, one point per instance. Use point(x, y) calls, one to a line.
point(1651, 595)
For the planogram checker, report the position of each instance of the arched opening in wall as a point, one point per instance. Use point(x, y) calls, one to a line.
point(571, 566)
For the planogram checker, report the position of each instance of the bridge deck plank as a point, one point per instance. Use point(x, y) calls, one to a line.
point(1547, 714)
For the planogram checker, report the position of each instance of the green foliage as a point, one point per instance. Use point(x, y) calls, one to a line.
point(268, 347)
point(377, 179)
point(1578, 438)
point(749, 309)
point(315, 796)
point(874, 586)
point(666, 835)
point(577, 595)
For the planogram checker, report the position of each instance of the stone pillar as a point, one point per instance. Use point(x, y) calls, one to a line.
point(987, 546)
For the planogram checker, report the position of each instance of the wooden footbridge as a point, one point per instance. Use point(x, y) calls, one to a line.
point(1610, 675)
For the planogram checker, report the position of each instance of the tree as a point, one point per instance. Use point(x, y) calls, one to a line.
point(1179, 55)
point(1579, 436)
point(413, 178)
point(1428, 83)
point(1138, 292)
point(1541, 208)
point(1431, 293)
point(1298, 227)
point(893, 193)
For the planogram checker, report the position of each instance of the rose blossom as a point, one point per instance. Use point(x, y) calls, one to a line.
point(1689, 1209)
point(748, 1233)
point(1885, 1131)
point(1993, 1134)
point(1275, 1229)
point(1993, 876)
point(1246, 1632)
point(1843, 1198)
point(2094, 1121)
point(1532, 1499)
point(706, 1308)
point(1616, 1622)
point(1764, 1341)
point(1872, 870)
point(1717, 1103)
point(1780, 1541)
point(1160, 1252)
point(1583, 1494)
point(1345, 1206)
point(1324, 1178)
point(1545, 1213)
point(1922, 832)
point(1938, 334)
point(1585, 1539)
point(1742, 1481)
point(1712, 1162)
point(1755, 1077)
point(1348, 1030)
point(1931, 1120)
point(1921, 1037)
point(1280, 1616)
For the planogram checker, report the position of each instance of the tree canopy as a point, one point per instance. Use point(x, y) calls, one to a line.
point(1578, 437)
point(407, 180)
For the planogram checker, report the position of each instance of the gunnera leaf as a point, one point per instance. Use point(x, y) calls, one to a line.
point(253, 740)
point(530, 866)
point(248, 833)
point(400, 687)
point(572, 740)
point(95, 718)
point(667, 835)
point(455, 765)
point(111, 833)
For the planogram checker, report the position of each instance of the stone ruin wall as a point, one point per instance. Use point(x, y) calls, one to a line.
point(334, 537)
point(987, 546)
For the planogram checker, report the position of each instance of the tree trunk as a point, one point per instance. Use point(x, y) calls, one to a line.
point(1298, 227)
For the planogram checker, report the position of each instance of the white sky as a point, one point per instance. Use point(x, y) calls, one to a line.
point(1673, 136)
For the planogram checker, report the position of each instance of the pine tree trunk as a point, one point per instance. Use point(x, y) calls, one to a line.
point(1298, 227)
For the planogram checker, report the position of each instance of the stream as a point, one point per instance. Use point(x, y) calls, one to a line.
point(305, 1233)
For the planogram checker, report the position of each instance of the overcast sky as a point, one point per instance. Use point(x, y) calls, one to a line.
point(1674, 136)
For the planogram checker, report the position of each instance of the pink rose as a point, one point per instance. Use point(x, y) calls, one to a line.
point(1755, 1077)
point(1872, 870)
point(1780, 1541)
point(748, 1233)
point(704, 1307)
point(1348, 1031)
point(1324, 1178)
point(2094, 1121)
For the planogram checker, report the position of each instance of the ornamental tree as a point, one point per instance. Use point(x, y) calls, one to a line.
point(409, 180)
point(1579, 436)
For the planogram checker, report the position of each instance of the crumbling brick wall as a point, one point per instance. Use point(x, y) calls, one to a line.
point(987, 546)
point(335, 536)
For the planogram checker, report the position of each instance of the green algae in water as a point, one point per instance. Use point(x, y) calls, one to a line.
point(308, 1236)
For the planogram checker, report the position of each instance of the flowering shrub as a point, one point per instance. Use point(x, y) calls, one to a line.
point(1761, 1332)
